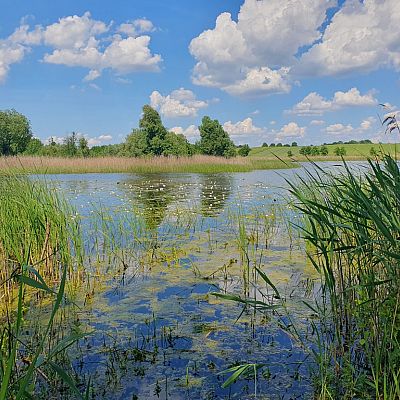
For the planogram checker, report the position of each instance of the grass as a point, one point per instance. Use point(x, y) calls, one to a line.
point(353, 152)
point(40, 253)
point(195, 164)
point(352, 224)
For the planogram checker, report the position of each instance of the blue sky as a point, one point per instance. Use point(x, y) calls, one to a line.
point(310, 71)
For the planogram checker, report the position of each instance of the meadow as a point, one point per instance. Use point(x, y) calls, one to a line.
point(353, 152)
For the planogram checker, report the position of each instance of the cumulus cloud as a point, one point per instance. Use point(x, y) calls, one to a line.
point(315, 104)
point(10, 53)
point(78, 41)
point(191, 132)
point(366, 125)
point(253, 55)
point(291, 130)
point(98, 140)
point(179, 103)
point(136, 27)
point(362, 36)
point(240, 128)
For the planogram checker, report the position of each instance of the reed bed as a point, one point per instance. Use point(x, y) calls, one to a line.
point(352, 226)
point(194, 164)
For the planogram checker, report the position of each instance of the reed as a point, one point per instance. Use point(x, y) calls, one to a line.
point(352, 223)
point(195, 164)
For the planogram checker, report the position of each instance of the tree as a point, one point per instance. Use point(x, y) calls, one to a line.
point(176, 145)
point(70, 145)
point(279, 145)
point(34, 147)
point(15, 132)
point(272, 145)
point(244, 150)
point(265, 144)
point(294, 144)
point(214, 140)
point(324, 150)
point(83, 147)
point(340, 151)
point(154, 130)
point(136, 144)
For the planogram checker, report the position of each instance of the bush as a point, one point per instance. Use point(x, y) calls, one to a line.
point(244, 150)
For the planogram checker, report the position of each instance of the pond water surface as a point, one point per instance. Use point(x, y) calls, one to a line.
point(160, 246)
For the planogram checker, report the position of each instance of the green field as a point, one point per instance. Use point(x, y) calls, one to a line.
point(353, 151)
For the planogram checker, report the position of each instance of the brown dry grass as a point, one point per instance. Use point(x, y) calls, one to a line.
point(195, 164)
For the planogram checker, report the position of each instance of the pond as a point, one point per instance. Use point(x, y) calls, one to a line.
point(159, 247)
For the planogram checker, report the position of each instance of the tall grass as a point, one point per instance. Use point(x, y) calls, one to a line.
point(195, 164)
point(352, 224)
point(40, 252)
point(37, 223)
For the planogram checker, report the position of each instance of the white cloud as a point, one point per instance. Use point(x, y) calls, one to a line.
point(252, 56)
point(366, 125)
point(78, 41)
point(136, 27)
point(317, 122)
point(191, 132)
point(315, 104)
point(339, 129)
point(291, 130)
point(245, 127)
point(99, 140)
point(260, 81)
point(10, 53)
point(362, 36)
point(179, 103)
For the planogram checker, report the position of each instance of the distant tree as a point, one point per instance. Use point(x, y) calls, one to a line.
point(272, 145)
point(323, 150)
point(264, 145)
point(305, 150)
point(314, 151)
point(83, 147)
point(15, 132)
point(244, 150)
point(279, 145)
point(34, 147)
point(294, 144)
point(214, 140)
point(289, 153)
point(340, 151)
point(70, 145)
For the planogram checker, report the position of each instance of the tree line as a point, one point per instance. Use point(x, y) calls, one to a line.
point(151, 138)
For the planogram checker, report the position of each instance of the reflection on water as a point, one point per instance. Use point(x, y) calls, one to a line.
point(159, 332)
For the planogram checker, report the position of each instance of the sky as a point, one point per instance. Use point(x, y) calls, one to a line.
point(310, 71)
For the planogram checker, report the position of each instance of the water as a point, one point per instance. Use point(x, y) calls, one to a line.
point(158, 331)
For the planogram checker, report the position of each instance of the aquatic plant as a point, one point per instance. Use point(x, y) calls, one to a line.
point(352, 222)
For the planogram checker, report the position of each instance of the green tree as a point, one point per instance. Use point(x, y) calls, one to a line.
point(154, 130)
point(294, 144)
point(315, 151)
point(214, 140)
point(15, 132)
point(34, 147)
point(264, 145)
point(70, 145)
point(324, 150)
point(83, 147)
point(340, 151)
point(244, 150)
point(176, 145)
point(136, 144)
